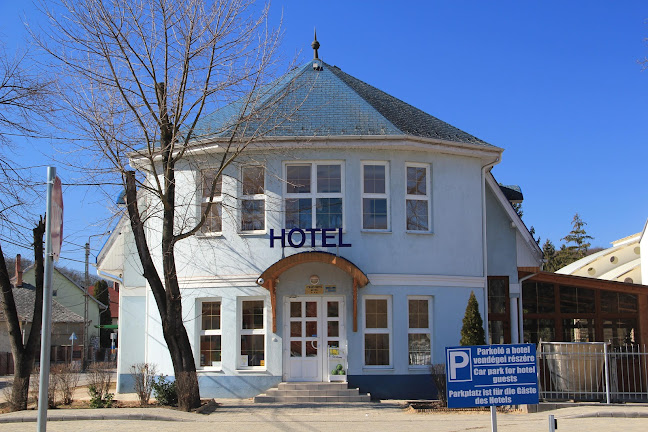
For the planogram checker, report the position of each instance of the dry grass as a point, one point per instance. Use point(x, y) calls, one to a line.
point(437, 407)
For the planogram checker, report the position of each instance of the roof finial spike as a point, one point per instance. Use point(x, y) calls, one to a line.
point(315, 45)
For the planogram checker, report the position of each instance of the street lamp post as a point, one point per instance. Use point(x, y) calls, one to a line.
point(86, 320)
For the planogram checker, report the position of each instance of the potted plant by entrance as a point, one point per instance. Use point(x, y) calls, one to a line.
point(337, 373)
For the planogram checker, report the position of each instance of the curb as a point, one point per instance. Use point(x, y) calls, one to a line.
point(93, 417)
point(631, 414)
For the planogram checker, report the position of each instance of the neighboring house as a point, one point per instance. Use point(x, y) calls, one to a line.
point(621, 262)
point(352, 234)
point(113, 292)
point(64, 321)
point(71, 295)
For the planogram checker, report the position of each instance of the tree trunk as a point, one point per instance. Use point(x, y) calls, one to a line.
point(20, 387)
point(168, 299)
point(184, 366)
point(23, 355)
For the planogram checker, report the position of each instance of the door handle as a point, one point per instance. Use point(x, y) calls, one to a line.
point(314, 347)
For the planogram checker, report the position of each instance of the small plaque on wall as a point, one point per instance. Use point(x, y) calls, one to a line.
point(314, 289)
point(243, 361)
point(329, 289)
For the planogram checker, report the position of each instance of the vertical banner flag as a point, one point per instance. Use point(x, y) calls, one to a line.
point(57, 218)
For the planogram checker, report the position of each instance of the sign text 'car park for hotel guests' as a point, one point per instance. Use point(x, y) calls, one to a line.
point(491, 375)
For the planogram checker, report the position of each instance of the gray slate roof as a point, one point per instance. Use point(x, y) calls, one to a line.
point(25, 298)
point(328, 102)
point(512, 192)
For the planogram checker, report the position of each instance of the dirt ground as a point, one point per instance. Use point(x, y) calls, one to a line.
point(80, 397)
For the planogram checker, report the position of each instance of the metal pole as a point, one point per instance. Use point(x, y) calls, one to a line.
point(607, 373)
point(493, 413)
point(552, 423)
point(85, 306)
point(46, 333)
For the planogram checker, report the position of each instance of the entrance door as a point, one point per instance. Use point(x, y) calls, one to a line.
point(313, 324)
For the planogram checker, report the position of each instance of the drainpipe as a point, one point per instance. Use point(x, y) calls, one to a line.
point(110, 277)
point(484, 170)
point(520, 309)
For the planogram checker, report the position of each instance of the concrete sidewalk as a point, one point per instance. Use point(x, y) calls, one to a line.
point(243, 415)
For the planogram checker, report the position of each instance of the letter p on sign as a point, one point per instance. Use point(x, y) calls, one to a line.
point(459, 365)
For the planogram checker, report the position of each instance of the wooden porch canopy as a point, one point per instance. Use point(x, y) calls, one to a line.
point(269, 277)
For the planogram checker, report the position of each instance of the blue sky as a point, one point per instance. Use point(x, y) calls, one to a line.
point(554, 83)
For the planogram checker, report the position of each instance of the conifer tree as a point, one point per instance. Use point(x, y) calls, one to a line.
point(472, 331)
point(101, 293)
point(568, 253)
point(549, 252)
point(579, 237)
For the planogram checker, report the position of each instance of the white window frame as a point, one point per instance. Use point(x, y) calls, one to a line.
point(427, 197)
point(240, 331)
point(213, 332)
point(216, 199)
point(254, 197)
point(385, 195)
point(428, 330)
point(313, 195)
point(388, 330)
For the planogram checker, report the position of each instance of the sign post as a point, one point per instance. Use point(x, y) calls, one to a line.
point(491, 375)
point(53, 240)
point(73, 337)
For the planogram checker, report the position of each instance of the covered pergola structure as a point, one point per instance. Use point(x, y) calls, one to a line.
point(568, 308)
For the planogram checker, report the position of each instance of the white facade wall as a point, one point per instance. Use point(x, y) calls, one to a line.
point(443, 265)
point(453, 248)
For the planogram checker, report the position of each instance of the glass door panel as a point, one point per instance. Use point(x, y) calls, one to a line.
point(315, 339)
point(304, 331)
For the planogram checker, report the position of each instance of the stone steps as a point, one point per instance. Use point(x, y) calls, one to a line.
point(290, 392)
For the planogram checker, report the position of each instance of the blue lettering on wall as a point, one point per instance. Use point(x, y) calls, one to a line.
point(326, 237)
point(282, 237)
point(298, 237)
point(302, 235)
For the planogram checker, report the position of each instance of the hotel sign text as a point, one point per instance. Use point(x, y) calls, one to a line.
point(296, 237)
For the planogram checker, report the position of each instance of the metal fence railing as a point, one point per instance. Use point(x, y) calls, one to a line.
point(592, 371)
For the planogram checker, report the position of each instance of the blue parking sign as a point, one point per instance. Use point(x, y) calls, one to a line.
point(459, 361)
point(491, 375)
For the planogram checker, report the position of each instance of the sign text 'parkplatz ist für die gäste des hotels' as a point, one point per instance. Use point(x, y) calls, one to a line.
point(491, 375)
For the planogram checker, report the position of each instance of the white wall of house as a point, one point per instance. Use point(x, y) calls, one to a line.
point(444, 264)
point(453, 247)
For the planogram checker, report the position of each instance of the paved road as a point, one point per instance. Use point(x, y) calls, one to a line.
point(244, 416)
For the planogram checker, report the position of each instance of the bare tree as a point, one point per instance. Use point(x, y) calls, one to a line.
point(140, 77)
point(24, 100)
point(23, 94)
point(24, 353)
